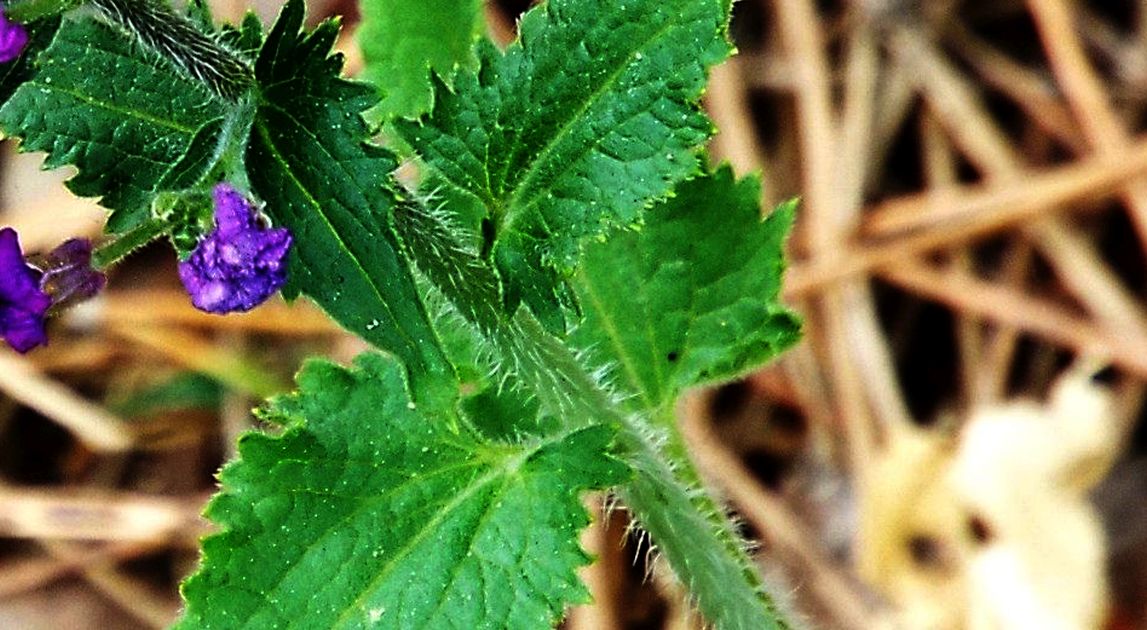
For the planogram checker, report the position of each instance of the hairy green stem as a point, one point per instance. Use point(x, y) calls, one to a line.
point(691, 530)
point(687, 524)
point(177, 40)
point(114, 251)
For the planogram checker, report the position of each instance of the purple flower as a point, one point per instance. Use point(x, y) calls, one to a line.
point(240, 263)
point(13, 38)
point(23, 305)
point(30, 288)
point(68, 274)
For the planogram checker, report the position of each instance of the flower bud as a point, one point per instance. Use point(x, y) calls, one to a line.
point(68, 276)
point(240, 263)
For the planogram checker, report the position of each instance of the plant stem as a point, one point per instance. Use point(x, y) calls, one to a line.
point(176, 39)
point(691, 530)
point(666, 494)
point(114, 251)
point(686, 522)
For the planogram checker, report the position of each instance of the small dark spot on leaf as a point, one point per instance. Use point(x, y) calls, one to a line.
point(671, 357)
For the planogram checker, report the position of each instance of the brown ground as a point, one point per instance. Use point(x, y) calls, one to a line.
point(974, 216)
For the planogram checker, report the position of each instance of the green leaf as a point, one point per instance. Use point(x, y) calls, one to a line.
point(28, 11)
point(508, 413)
point(493, 400)
point(665, 493)
point(246, 37)
point(100, 104)
point(692, 297)
point(580, 125)
point(197, 161)
point(309, 160)
point(402, 41)
point(368, 513)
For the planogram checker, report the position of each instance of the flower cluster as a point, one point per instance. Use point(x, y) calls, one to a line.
point(30, 288)
point(240, 263)
point(234, 267)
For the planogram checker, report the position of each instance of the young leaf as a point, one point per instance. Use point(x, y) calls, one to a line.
point(403, 41)
point(367, 513)
point(692, 296)
point(98, 103)
point(309, 160)
point(576, 128)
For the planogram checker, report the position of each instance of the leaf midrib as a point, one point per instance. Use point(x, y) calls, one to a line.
point(495, 473)
point(127, 113)
point(371, 280)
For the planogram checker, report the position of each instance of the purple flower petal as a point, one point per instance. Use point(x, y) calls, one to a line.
point(13, 38)
point(233, 213)
point(23, 305)
point(68, 274)
point(240, 263)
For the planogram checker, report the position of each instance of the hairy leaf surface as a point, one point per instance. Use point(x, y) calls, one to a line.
point(580, 125)
point(368, 513)
point(309, 160)
point(102, 105)
point(403, 41)
point(692, 296)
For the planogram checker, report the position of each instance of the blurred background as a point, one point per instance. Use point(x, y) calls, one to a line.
point(958, 442)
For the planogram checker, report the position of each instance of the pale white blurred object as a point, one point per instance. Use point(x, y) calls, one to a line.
point(991, 529)
point(1026, 470)
point(40, 208)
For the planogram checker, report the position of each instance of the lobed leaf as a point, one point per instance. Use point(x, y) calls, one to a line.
point(579, 126)
point(403, 41)
point(100, 104)
point(692, 297)
point(368, 513)
point(309, 159)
